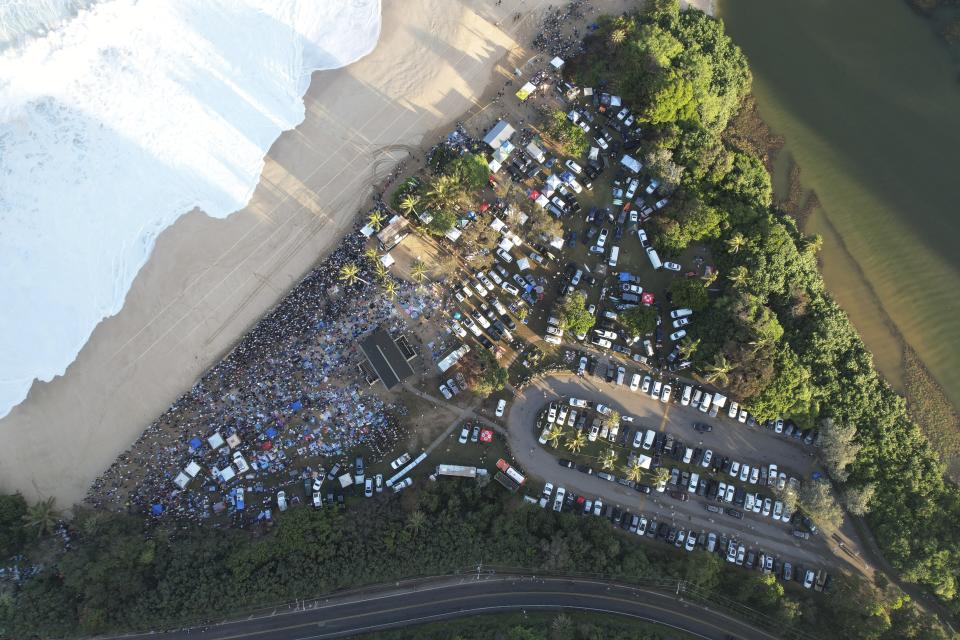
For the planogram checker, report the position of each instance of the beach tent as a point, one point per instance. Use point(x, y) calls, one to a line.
point(156, 509)
point(216, 441)
point(557, 63)
point(387, 260)
point(526, 90)
point(486, 435)
point(542, 200)
point(345, 480)
point(367, 230)
point(271, 432)
point(226, 474)
point(505, 244)
point(181, 480)
point(514, 238)
point(453, 234)
point(557, 242)
point(192, 469)
point(647, 298)
point(494, 166)
point(498, 225)
point(195, 443)
point(296, 405)
point(233, 440)
point(631, 163)
point(523, 264)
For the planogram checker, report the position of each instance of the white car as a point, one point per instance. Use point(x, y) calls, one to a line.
point(730, 493)
point(635, 382)
point(464, 435)
point(482, 277)
point(734, 469)
point(403, 484)
point(573, 166)
point(691, 542)
point(749, 502)
point(544, 435)
point(638, 439)
point(368, 488)
point(603, 409)
point(445, 391)
point(317, 500)
point(399, 462)
point(645, 387)
point(501, 405)
point(558, 499)
point(705, 402)
point(644, 242)
point(744, 473)
point(602, 342)
point(602, 238)
point(282, 500)
point(454, 389)
point(734, 408)
point(594, 432)
point(680, 322)
point(457, 329)
point(601, 143)
point(707, 458)
point(505, 256)
point(582, 368)
point(552, 412)
point(603, 333)
point(777, 510)
point(240, 463)
point(754, 475)
point(808, 579)
point(578, 402)
point(657, 388)
point(757, 502)
point(672, 266)
point(767, 505)
point(555, 331)
point(552, 339)
point(665, 395)
point(495, 276)
point(742, 417)
point(681, 313)
point(678, 335)
point(687, 392)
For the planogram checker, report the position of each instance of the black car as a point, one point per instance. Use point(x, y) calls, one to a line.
point(582, 468)
point(340, 502)
point(663, 530)
point(701, 427)
point(611, 373)
point(642, 488)
point(615, 516)
point(485, 342)
point(734, 513)
point(566, 463)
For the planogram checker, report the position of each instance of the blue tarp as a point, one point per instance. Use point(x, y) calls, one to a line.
point(271, 432)
point(195, 443)
point(156, 509)
point(296, 406)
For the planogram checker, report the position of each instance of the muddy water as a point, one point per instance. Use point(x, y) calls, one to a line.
point(869, 105)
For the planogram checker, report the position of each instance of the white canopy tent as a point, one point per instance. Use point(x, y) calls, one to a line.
point(181, 480)
point(192, 469)
point(215, 441)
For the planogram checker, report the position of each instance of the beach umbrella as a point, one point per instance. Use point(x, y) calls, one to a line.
point(156, 509)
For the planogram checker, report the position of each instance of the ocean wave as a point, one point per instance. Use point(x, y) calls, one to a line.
point(120, 120)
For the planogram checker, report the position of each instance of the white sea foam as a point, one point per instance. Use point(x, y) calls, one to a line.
point(116, 118)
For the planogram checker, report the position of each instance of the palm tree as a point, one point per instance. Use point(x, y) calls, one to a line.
point(761, 343)
point(617, 37)
point(576, 443)
point(42, 516)
point(709, 278)
point(371, 254)
point(375, 219)
point(390, 290)
point(719, 371)
point(736, 242)
point(419, 271)
point(688, 347)
point(739, 276)
point(608, 460)
point(634, 471)
point(409, 204)
point(614, 417)
point(660, 475)
point(380, 270)
point(350, 273)
point(522, 313)
point(416, 522)
point(443, 192)
point(554, 435)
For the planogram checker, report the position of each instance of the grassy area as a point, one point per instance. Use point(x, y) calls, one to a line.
point(573, 625)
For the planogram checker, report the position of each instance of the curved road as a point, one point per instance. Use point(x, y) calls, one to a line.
point(749, 445)
point(447, 598)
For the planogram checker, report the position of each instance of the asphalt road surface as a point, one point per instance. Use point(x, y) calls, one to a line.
point(448, 598)
point(750, 445)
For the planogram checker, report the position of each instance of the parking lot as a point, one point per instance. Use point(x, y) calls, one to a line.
point(750, 445)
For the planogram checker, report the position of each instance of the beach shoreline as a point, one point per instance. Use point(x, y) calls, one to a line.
point(209, 281)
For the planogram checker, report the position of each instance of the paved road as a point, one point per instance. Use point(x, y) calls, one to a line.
point(727, 438)
point(447, 598)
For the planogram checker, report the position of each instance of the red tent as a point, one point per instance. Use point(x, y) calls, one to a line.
point(486, 435)
point(648, 298)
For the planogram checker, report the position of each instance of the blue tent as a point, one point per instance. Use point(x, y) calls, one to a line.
point(195, 443)
point(156, 509)
point(296, 405)
point(271, 432)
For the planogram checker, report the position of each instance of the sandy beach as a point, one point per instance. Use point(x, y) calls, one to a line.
point(208, 280)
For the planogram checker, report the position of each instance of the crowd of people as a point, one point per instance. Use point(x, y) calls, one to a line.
point(558, 36)
point(289, 391)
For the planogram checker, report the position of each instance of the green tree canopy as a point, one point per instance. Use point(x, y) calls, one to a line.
point(689, 293)
point(640, 320)
point(574, 316)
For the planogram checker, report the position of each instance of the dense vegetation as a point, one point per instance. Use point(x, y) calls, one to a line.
point(773, 336)
point(116, 578)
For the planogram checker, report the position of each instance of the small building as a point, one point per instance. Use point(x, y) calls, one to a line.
point(386, 358)
point(393, 234)
point(557, 63)
point(500, 133)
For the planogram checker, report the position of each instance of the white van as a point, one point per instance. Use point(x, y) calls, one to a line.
point(614, 255)
point(687, 455)
point(648, 439)
point(694, 481)
point(654, 258)
point(687, 392)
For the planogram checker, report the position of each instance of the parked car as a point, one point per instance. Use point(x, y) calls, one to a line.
point(282, 500)
point(501, 405)
point(464, 435)
point(403, 484)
